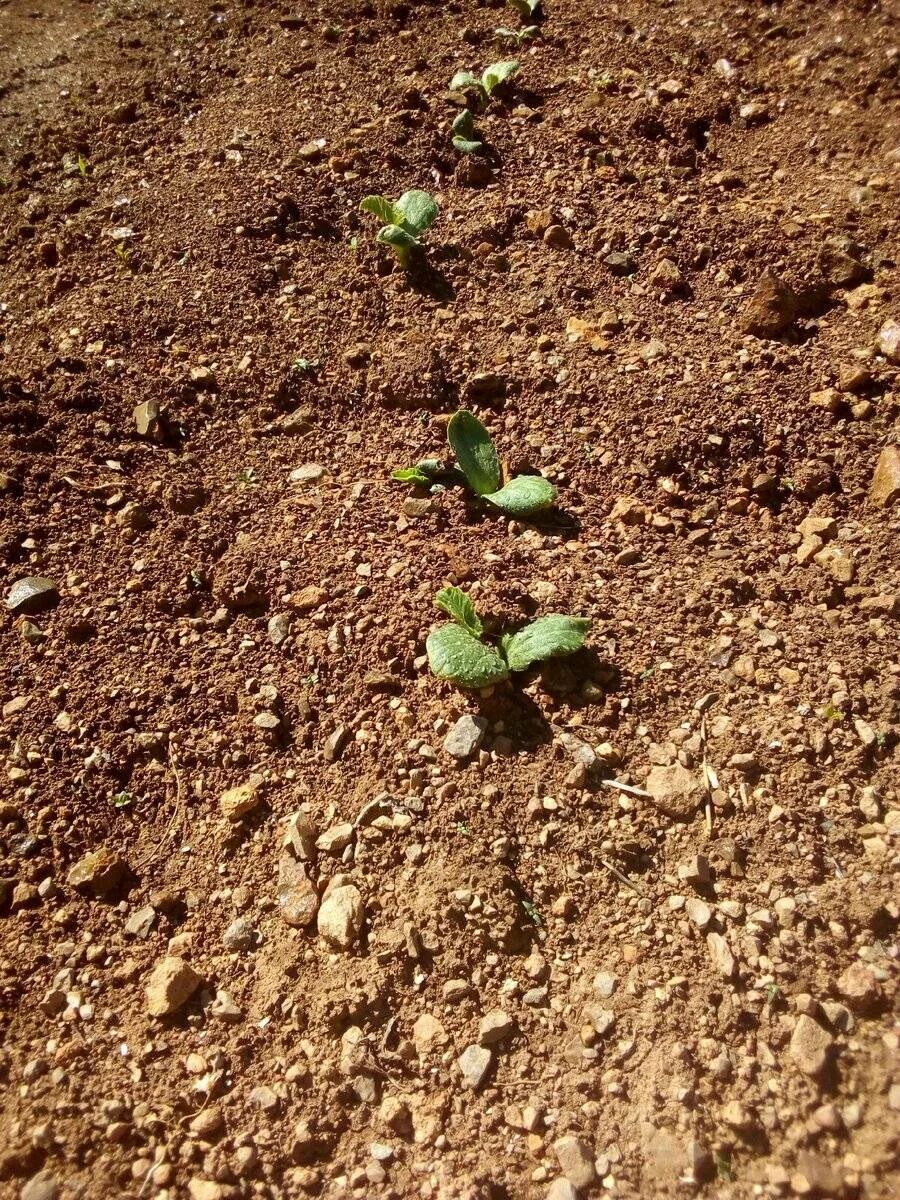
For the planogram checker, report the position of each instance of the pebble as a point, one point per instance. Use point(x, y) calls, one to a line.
point(466, 736)
point(335, 839)
point(148, 419)
point(576, 1161)
point(238, 802)
point(675, 789)
point(171, 984)
point(810, 1045)
point(334, 745)
point(240, 935)
point(889, 340)
point(279, 628)
point(699, 912)
point(771, 308)
point(427, 1030)
point(99, 872)
point(298, 900)
point(474, 1064)
point(341, 916)
point(140, 923)
point(720, 953)
point(32, 595)
point(42, 1186)
point(885, 487)
point(307, 474)
point(494, 1027)
point(859, 987)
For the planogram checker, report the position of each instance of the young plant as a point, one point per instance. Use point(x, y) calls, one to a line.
point(402, 222)
point(464, 133)
point(462, 653)
point(528, 10)
point(476, 454)
point(491, 78)
point(517, 35)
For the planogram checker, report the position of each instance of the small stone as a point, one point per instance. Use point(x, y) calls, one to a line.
point(823, 527)
point(334, 745)
point(889, 340)
point(827, 398)
point(308, 598)
point(576, 1161)
point(223, 1008)
point(669, 89)
point(699, 912)
point(808, 549)
point(171, 984)
point(298, 900)
point(279, 628)
point(474, 1064)
point(98, 873)
point(237, 802)
point(559, 237)
point(605, 984)
point(772, 308)
point(675, 789)
point(203, 378)
point(695, 870)
point(810, 1045)
point(148, 420)
point(240, 935)
point(140, 923)
point(466, 736)
point(720, 953)
point(204, 1189)
point(885, 487)
point(561, 1189)
point(308, 474)
point(666, 276)
point(336, 839)
point(426, 1031)
point(859, 987)
point(32, 595)
point(494, 1027)
point(341, 916)
point(815, 1176)
point(456, 990)
point(42, 1186)
point(620, 264)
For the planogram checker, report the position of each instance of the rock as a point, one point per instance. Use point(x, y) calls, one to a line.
point(341, 916)
point(810, 1045)
point(670, 89)
point(426, 1031)
point(814, 1176)
point(279, 628)
point(204, 1189)
point(666, 276)
point(335, 743)
point(122, 114)
point(561, 1189)
point(823, 527)
point(620, 264)
point(32, 595)
point(485, 386)
point(298, 900)
point(720, 953)
point(472, 171)
point(699, 912)
point(171, 984)
point(335, 839)
point(140, 923)
point(840, 265)
point(576, 1161)
point(827, 398)
point(42, 1186)
point(889, 340)
point(675, 790)
point(308, 474)
point(474, 1064)
point(238, 802)
point(808, 549)
point(204, 379)
point(859, 987)
point(771, 309)
point(308, 598)
point(240, 935)
point(558, 236)
point(695, 870)
point(99, 872)
point(495, 1026)
point(223, 1008)
point(466, 736)
point(148, 420)
point(885, 487)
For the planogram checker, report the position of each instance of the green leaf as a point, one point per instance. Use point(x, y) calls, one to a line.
point(411, 475)
point(381, 208)
point(464, 124)
point(546, 637)
point(525, 8)
point(456, 604)
point(498, 73)
point(456, 655)
point(401, 242)
point(462, 80)
point(466, 147)
point(524, 495)
point(417, 211)
point(475, 451)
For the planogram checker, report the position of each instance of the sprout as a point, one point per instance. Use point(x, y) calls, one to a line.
point(402, 222)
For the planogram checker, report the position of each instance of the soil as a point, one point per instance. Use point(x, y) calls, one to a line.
point(642, 941)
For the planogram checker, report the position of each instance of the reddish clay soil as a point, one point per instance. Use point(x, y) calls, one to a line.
point(667, 285)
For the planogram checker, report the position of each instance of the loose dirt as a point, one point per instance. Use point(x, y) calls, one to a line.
point(261, 935)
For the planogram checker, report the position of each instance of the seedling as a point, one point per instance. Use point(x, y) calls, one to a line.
point(461, 652)
point(465, 135)
point(528, 10)
point(306, 365)
point(517, 35)
point(83, 166)
point(402, 222)
point(491, 78)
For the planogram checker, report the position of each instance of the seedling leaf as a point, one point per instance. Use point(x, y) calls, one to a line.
point(498, 73)
point(462, 80)
point(546, 637)
point(526, 8)
point(381, 208)
point(466, 147)
point(456, 604)
point(475, 452)
point(417, 212)
point(401, 242)
point(411, 475)
point(454, 654)
point(524, 495)
point(464, 124)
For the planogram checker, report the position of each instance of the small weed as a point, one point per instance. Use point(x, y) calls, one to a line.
point(308, 365)
point(773, 992)
point(83, 166)
point(462, 827)
point(832, 714)
point(311, 679)
point(724, 1170)
point(531, 911)
point(402, 222)
point(461, 653)
point(517, 36)
point(247, 478)
point(121, 799)
point(123, 254)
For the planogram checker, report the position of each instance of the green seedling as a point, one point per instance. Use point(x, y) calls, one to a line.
point(402, 222)
point(491, 78)
point(306, 365)
point(83, 166)
point(120, 799)
point(461, 652)
point(517, 35)
point(122, 253)
point(528, 10)
point(476, 454)
point(464, 133)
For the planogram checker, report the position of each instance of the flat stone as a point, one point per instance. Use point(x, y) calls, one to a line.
point(495, 1027)
point(148, 419)
point(240, 935)
point(238, 802)
point(171, 984)
point(99, 872)
point(32, 595)
point(576, 1161)
point(474, 1064)
point(720, 953)
point(308, 474)
point(771, 309)
point(42, 1186)
point(810, 1045)
point(885, 487)
point(298, 901)
point(675, 789)
point(466, 736)
point(335, 743)
point(336, 839)
point(309, 598)
point(889, 340)
point(859, 987)
point(341, 916)
point(140, 923)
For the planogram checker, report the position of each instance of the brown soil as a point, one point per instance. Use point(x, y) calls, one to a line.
point(179, 225)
